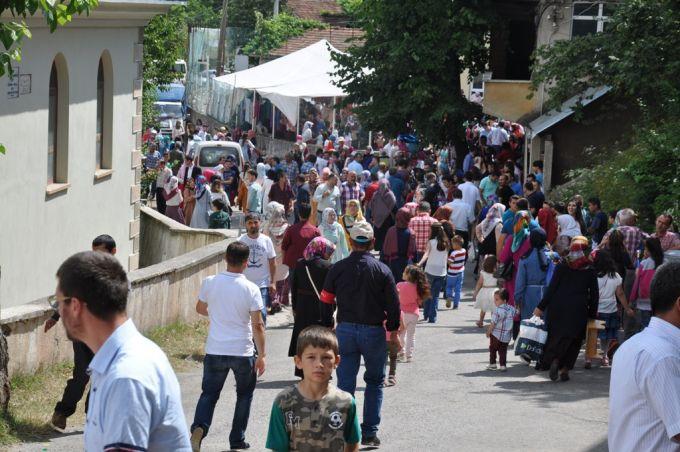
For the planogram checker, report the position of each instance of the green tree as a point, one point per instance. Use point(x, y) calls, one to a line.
point(409, 65)
point(638, 56)
point(272, 33)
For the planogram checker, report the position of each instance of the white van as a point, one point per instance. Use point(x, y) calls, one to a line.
point(210, 152)
point(180, 70)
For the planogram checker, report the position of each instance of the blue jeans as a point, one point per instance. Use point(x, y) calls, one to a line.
point(454, 283)
point(215, 371)
point(355, 341)
point(266, 302)
point(430, 306)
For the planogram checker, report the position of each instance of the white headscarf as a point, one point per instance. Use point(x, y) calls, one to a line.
point(493, 217)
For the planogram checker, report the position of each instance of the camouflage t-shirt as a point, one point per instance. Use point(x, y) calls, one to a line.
point(307, 425)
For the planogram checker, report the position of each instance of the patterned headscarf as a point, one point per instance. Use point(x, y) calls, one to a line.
point(318, 248)
point(579, 253)
point(200, 185)
point(411, 206)
point(349, 220)
point(493, 217)
point(523, 225)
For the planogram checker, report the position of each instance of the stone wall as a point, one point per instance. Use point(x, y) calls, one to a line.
point(160, 294)
point(163, 238)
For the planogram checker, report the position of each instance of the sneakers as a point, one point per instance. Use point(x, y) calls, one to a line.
point(448, 303)
point(503, 369)
point(491, 367)
point(196, 438)
point(372, 441)
point(58, 421)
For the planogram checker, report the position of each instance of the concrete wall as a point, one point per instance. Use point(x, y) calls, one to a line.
point(507, 99)
point(161, 294)
point(163, 238)
point(38, 231)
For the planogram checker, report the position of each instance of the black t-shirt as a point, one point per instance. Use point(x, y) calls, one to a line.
point(504, 194)
point(599, 225)
point(536, 200)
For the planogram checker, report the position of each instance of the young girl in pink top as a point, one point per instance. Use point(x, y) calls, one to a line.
point(639, 296)
point(412, 291)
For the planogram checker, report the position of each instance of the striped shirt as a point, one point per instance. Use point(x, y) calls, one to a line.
point(644, 400)
point(457, 261)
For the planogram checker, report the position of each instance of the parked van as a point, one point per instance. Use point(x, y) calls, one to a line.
point(210, 152)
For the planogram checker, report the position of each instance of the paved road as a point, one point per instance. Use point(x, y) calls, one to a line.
point(444, 401)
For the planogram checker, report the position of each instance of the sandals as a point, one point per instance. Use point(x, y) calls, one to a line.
point(479, 324)
point(391, 380)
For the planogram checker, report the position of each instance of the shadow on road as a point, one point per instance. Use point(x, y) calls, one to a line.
point(470, 351)
point(276, 384)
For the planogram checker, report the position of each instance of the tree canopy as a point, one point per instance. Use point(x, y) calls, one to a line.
point(638, 56)
point(409, 65)
point(272, 33)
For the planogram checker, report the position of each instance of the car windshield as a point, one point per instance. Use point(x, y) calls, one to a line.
point(210, 156)
point(170, 93)
point(169, 111)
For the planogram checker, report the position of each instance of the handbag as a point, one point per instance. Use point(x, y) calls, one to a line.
point(531, 340)
point(504, 271)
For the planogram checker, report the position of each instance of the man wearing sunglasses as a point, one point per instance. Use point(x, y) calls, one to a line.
point(82, 355)
point(135, 403)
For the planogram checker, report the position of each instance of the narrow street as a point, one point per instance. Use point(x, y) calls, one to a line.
point(444, 401)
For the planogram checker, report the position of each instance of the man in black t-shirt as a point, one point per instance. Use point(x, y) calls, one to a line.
point(599, 222)
point(504, 191)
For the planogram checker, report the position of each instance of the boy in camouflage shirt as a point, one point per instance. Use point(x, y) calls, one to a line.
point(314, 415)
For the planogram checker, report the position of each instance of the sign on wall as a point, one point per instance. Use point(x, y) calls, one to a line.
point(18, 84)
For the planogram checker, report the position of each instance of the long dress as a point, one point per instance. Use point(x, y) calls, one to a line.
point(530, 284)
point(189, 205)
point(305, 303)
point(201, 214)
point(336, 235)
point(571, 298)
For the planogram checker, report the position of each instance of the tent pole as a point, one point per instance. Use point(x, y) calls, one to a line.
point(252, 114)
point(273, 118)
point(297, 119)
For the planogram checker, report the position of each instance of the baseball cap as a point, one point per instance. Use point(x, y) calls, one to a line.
point(361, 232)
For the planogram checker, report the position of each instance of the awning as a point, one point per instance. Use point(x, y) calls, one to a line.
point(304, 73)
point(546, 121)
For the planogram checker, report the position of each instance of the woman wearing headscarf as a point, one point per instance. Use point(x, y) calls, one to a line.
point(531, 275)
point(173, 199)
point(189, 200)
point(306, 285)
point(352, 215)
point(571, 299)
point(334, 233)
point(516, 245)
point(201, 214)
point(381, 206)
point(274, 227)
point(399, 248)
point(365, 179)
point(489, 230)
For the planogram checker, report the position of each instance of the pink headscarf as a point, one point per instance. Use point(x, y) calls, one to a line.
point(318, 248)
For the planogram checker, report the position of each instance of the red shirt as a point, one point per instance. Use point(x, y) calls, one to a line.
point(548, 221)
point(295, 240)
point(370, 191)
point(420, 226)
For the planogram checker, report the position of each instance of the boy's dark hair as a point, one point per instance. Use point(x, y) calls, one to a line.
point(458, 239)
point(237, 253)
point(665, 288)
point(457, 193)
point(316, 336)
point(595, 201)
point(523, 204)
point(538, 164)
point(219, 204)
point(489, 264)
point(374, 177)
point(252, 172)
point(528, 185)
point(252, 216)
point(106, 241)
point(304, 211)
point(98, 280)
point(300, 178)
point(515, 198)
point(503, 293)
point(561, 208)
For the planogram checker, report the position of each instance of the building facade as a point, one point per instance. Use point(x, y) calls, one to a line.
point(71, 122)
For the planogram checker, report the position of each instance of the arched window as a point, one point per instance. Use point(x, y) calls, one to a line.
point(103, 132)
point(57, 124)
point(52, 120)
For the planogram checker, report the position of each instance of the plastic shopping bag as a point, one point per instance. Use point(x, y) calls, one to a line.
point(531, 339)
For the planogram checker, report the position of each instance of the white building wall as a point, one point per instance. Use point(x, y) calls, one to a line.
point(37, 232)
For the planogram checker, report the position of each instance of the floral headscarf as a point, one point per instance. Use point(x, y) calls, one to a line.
point(493, 217)
point(523, 225)
point(200, 186)
point(579, 253)
point(276, 223)
point(171, 185)
point(318, 248)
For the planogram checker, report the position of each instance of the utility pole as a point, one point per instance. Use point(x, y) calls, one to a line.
point(221, 57)
point(276, 7)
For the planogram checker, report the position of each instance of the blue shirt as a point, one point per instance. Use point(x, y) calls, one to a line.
point(397, 185)
point(152, 159)
point(135, 401)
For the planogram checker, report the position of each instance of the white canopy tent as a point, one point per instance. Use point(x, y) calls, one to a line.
point(304, 73)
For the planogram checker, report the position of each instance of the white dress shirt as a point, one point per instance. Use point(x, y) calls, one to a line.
point(332, 200)
point(644, 393)
point(471, 194)
point(462, 215)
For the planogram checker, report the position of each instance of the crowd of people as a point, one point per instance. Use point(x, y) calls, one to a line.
point(362, 243)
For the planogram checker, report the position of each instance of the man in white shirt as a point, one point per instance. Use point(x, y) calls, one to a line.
point(321, 162)
point(135, 401)
point(234, 307)
point(327, 195)
point(497, 137)
point(644, 393)
point(471, 195)
point(462, 216)
point(261, 261)
point(163, 176)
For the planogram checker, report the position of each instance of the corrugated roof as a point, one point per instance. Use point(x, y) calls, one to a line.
point(337, 36)
point(543, 123)
point(312, 9)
